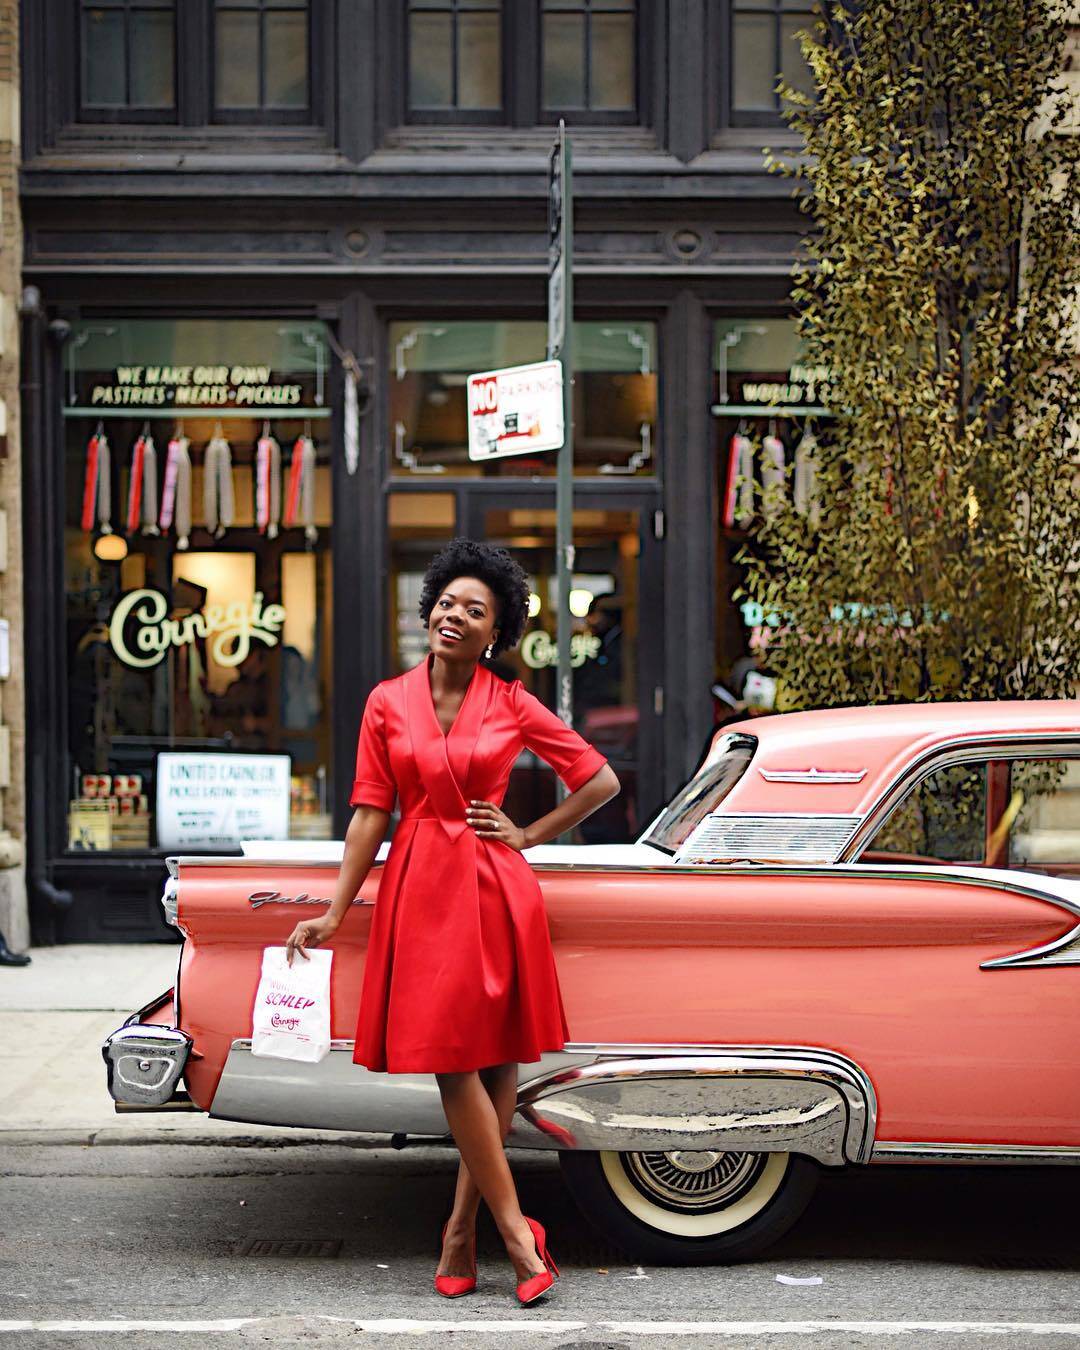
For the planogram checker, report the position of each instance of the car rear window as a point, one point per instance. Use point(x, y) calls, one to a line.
point(721, 769)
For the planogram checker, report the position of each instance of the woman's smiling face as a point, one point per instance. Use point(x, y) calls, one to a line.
point(463, 619)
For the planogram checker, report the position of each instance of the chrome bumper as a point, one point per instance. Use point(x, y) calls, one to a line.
point(143, 1064)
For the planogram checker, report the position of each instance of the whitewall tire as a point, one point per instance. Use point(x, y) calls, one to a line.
point(686, 1208)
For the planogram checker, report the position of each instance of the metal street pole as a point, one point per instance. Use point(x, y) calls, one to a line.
point(560, 345)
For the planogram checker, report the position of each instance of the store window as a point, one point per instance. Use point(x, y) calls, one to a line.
point(615, 396)
point(771, 410)
point(455, 57)
point(764, 48)
point(198, 571)
point(128, 58)
point(589, 61)
point(261, 58)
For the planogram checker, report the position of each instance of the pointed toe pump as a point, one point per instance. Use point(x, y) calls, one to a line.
point(529, 1290)
point(453, 1286)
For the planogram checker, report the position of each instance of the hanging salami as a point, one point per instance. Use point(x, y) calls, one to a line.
point(267, 484)
point(97, 484)
point(300, 501)
point(219, 499)
point(176, 496)
point(739, 487)
point(142, 486)
point(805, 490)
point(773, 471)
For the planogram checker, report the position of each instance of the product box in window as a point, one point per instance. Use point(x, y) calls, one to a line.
point(96, 785)
point(89, 825)
point(131, 830)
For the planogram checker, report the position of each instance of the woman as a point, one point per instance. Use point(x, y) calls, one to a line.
point(460, 979)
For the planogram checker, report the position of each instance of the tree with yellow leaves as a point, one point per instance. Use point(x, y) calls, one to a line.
point(939, 287)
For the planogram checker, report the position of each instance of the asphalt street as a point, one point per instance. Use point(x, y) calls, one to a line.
point(269, 1242)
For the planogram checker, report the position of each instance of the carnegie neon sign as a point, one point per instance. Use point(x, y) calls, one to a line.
point(141, 632)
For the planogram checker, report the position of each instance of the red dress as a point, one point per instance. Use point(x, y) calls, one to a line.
point(459, 972)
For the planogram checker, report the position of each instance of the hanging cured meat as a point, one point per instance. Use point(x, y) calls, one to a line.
point(300, 501)
point(176, 496)
point(142, 486)
point(773, 472)
point(739, 488)
point(97, 484)
point(219, 501)
point(267, 484)
point(805, 490)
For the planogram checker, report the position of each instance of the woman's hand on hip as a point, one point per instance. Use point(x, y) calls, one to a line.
point(308, 933)
point(489, 822)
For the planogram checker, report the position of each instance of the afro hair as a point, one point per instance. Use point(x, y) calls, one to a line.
point(496, 568)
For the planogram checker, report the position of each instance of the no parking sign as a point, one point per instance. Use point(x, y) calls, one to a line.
point(516, 411)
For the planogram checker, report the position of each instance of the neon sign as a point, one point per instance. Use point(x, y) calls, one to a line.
point(538, 648)
point(140, 631)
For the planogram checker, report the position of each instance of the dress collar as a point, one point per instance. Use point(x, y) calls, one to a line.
point(443, 761)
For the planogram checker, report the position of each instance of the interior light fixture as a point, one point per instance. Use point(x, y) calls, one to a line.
point(580, 600)
point(110, 547)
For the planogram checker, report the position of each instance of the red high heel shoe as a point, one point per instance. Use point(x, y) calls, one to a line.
point(453, 1286)
point(529, 1290)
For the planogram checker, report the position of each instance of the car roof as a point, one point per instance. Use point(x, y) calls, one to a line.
point(877, 743)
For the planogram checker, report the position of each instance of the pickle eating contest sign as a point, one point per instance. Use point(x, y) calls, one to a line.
point(516, 411)
point(215, 801)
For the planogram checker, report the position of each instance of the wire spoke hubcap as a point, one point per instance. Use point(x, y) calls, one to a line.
point(685, 1180)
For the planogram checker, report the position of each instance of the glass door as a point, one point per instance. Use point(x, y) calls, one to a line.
point(616, 644)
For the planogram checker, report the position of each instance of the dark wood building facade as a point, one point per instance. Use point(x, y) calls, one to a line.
point(226, 205)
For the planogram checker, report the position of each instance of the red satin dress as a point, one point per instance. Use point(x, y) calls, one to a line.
point(459, 972)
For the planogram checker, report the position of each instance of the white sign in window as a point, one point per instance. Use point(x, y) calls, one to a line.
point(215, 801)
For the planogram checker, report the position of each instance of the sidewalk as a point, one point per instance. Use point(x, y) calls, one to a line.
point(54, 1015)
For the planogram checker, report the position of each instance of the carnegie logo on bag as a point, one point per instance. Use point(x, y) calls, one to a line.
point(291, 1017)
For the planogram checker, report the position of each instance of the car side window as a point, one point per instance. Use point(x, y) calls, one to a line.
point(942, 819)
point(1040, 824)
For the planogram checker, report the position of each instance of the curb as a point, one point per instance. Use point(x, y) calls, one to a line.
point(106, 1136)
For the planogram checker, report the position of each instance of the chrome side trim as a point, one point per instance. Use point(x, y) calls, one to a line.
point(975, 1153)
point(813, 775)
point(587, 1096)
point(755, 1099)
point(941, 756)
point(144, 1062)
point(1063, 951)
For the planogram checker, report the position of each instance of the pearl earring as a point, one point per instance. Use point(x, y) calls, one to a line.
point(490, 649)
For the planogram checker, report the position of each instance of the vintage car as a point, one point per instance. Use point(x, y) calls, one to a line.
point(852, 937)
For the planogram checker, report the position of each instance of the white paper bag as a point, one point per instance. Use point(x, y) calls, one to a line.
point(291, 1019)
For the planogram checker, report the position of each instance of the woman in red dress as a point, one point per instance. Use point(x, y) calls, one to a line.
point(460, 979)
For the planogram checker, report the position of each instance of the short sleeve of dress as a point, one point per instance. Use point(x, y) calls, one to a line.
point(547, 735)
point(374, 784)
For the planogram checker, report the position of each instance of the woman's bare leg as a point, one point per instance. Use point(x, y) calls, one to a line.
point(475, 1125)
point(500, 1084)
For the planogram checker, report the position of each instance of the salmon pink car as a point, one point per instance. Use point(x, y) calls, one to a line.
point(852, 938)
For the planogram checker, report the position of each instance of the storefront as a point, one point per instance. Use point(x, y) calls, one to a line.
point(205, 645)
point(209, 237)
